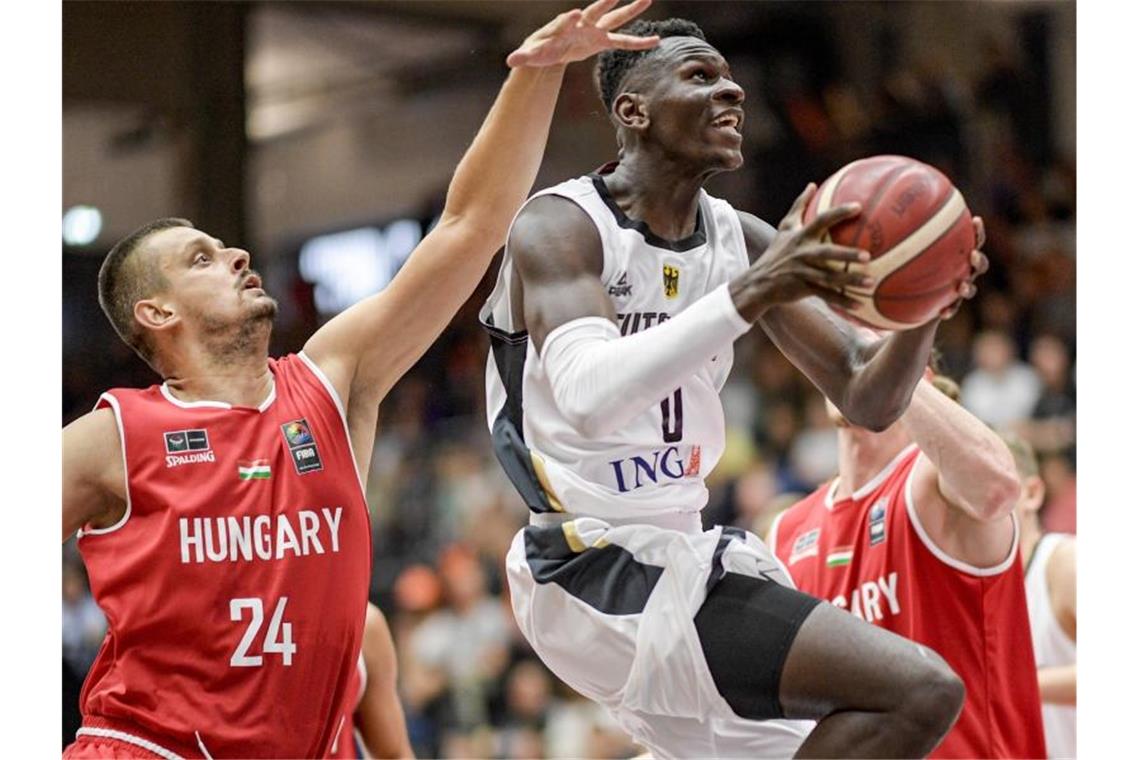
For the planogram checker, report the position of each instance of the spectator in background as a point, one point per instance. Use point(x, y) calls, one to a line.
point(83, 623)
point(1001, 390)
point(814, 453)
point(1059, 515)
point(1053, 424)
point(460, 651)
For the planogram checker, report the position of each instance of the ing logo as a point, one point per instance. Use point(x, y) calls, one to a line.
point(671, 277)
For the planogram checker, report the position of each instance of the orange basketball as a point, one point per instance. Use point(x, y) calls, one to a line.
point(918, 229)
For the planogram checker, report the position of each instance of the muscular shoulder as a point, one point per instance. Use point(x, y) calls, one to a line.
point(552, 233)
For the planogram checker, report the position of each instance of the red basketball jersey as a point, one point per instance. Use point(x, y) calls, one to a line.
point(870, 555)
point(235, 585)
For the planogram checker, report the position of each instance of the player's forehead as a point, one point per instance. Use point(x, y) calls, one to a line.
point(675, 51)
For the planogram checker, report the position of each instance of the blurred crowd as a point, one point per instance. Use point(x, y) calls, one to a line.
point(444, 514)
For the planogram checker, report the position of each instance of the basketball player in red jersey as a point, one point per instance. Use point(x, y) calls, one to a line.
point(917, 535)
point(221, 514)
point(374, 725)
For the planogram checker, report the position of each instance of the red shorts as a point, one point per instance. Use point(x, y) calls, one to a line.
point(106, 747)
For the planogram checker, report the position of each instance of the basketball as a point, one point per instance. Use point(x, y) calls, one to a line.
point(919, 232)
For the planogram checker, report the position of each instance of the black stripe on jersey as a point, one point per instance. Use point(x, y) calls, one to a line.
point(607, 578)
point(697, 239)
point(509, 351)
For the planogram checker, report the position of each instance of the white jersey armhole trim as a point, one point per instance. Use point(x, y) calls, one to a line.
point(945, 558)
point(320, 375)
point(114, 404)
point(774, 531)
point(110, 733)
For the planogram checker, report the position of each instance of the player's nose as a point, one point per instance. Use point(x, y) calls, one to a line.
point(729, 91)
point(239, 260)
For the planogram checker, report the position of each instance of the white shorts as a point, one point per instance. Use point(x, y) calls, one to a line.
point(609, 609)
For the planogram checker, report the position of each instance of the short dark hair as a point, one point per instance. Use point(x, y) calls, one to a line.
point(613, 65)
point(124, 280)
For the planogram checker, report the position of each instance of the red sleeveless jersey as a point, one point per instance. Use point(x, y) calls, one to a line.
point(870, 555)
point(235, 585)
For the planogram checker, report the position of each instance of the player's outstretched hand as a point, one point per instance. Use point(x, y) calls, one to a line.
point(978, 266)
point(578, 34)
point(797, 263)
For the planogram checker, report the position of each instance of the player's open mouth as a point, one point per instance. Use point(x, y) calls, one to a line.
point(729, 120)
point(252, 282)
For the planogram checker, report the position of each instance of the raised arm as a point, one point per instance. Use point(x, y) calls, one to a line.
point(869, 380)
point(368, 347)
point(965, 483)
point(94, 486)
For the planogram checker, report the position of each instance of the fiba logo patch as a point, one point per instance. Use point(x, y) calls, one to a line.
point(671, 277)
point(302, 446)
point(877, 522)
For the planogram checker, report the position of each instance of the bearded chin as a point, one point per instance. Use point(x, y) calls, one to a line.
point(229, 341)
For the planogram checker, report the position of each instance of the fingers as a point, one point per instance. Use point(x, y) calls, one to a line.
point(621, 16)
point(821, 253)
point(596, 10)
point(796, 213)
point(979, 264)
point(629, 42)
point(979, 233)
point(830, 218)
point(838, 279)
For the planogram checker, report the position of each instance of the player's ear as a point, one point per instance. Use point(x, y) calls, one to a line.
point(154, 314)
point(630, 111)
point(1034, 493)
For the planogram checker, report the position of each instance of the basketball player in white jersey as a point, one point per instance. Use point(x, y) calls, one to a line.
point(612, 323)
point(1051, 594)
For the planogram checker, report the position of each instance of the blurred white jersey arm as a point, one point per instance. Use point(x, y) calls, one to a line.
point(602, 380)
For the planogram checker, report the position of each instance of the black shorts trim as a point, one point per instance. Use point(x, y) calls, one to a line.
point(746, 627)
point(607, 578)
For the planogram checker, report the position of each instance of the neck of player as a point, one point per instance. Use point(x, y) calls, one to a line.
point(656, 190)
point(863, 455)
point(235, 372)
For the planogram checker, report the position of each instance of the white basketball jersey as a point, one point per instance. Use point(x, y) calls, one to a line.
point(1052, 647)
point(653, 469)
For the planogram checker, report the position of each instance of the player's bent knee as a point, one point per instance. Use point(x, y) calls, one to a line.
point(935, 700)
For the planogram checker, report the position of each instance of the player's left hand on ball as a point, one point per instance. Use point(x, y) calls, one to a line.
point(578, 34)
point(978, 266)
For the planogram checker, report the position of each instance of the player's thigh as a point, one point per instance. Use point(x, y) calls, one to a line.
point(838, 662)
point(746, 628)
